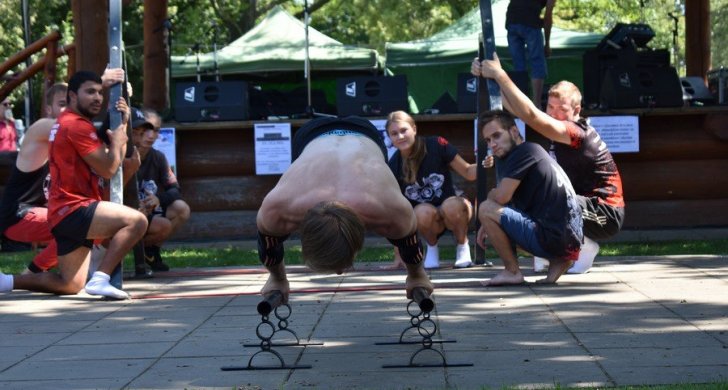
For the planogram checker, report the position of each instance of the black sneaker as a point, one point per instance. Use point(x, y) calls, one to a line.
point(142, 272)
point(154, 259)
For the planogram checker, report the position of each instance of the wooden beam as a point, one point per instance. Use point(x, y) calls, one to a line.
point(155, 55)
point(697, 37)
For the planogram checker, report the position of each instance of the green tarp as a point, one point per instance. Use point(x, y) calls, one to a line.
point(277, 44)
point(431, 65)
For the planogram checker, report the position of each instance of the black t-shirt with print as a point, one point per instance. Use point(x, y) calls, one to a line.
point(434, 180)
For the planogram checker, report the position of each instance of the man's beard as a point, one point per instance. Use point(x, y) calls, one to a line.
point(86, 112)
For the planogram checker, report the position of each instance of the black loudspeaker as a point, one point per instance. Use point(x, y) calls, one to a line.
point(210, 101)
point(445, 104)
point(630, 87)
point(597, 62)
point(695, 90)
point(468, 89)
point(371, 95)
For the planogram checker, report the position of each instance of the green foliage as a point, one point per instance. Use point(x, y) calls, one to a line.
point(194, 257)
point(368, 23)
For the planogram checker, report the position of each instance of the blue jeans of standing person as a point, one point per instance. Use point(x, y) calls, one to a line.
point(524, 43)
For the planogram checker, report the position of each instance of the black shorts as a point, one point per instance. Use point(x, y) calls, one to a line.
point(601, 221)
point(72, 232)
point(315, 127)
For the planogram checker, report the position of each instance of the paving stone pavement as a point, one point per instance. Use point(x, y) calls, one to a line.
point(631, 321)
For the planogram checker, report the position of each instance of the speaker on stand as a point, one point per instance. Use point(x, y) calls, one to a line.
point(371, 95)
point(209, 101)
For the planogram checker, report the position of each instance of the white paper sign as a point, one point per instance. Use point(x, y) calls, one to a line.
point(620, 133)
point(272, 148)
point(165, 143)
point(379, 124)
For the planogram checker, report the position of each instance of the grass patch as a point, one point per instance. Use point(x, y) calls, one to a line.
point(15, 262)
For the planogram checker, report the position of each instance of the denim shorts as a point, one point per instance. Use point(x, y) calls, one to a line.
point(522, 229)
point(527, 42)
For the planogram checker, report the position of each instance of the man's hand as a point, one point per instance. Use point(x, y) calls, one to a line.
point(132, 163)
point(149, 203)
point(276, 283)
point(123, 108)
point(482, 235)
point(488, 162)
point(112, 76)
point(491, 68)
point(417, 277)
point(475, 67)
point(547, 51)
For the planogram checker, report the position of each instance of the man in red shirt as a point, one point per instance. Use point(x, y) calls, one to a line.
point(79, 163)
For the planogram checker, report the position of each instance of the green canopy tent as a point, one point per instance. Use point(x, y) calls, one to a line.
point(274, 51)
point(432, 64)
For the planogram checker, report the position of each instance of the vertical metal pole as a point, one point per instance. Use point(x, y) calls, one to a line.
point(493, 103)
point(307, 63)
point(117, 185)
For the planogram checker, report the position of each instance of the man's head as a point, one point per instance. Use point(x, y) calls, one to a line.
point(56, 100)
point(500, 132)
point(143, 132)
point(84, 93)
point(4, 106)
point(331, 236)
point(564, 101)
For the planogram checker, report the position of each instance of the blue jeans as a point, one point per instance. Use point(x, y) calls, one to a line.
point(522, 41)
point(521, 229)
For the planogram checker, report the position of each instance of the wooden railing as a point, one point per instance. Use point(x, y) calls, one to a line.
point(47, 63)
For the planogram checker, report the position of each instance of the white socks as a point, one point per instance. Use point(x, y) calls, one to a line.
point(6, 282)
point(540, 264)
point(462, 256)
point(99, 285)
point(432, 257)
point(589, 251)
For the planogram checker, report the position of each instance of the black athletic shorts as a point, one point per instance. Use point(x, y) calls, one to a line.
point(315, 127)
point(72, 231)
point(601, 221)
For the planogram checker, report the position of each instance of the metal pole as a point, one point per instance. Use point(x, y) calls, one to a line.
point(117, 185)
point(307, 64)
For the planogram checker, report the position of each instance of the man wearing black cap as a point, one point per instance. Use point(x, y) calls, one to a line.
point(159, 192)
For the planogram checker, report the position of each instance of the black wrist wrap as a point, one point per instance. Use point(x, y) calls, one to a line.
point(410, 248)
point(270, 249)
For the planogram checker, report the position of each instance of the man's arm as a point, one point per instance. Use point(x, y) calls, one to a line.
point(503, 193)
point(521, 105)
point(105, 161)
point(547, 23)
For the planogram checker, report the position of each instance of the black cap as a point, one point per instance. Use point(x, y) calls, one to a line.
point(138, 119)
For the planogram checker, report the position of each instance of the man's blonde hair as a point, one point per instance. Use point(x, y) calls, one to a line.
point(331, 236)
point(566, 89)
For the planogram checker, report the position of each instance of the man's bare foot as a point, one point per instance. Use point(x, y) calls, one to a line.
point(556, 269)
point(505, 278)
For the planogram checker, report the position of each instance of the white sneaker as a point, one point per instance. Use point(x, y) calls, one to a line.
point(462, 256)
point(540, 264)
point(6, 282)
point(99, 285)
point(432, 257)
point(588, 252)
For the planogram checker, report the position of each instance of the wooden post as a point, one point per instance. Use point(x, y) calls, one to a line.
point(697, 37)
point(90, 21)
point(155, 91)
point(49, 76)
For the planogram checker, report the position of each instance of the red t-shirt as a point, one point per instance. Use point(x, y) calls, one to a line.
point(8, 137)
point(73, 182)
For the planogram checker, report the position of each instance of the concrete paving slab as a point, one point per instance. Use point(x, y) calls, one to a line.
point(630, 321)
